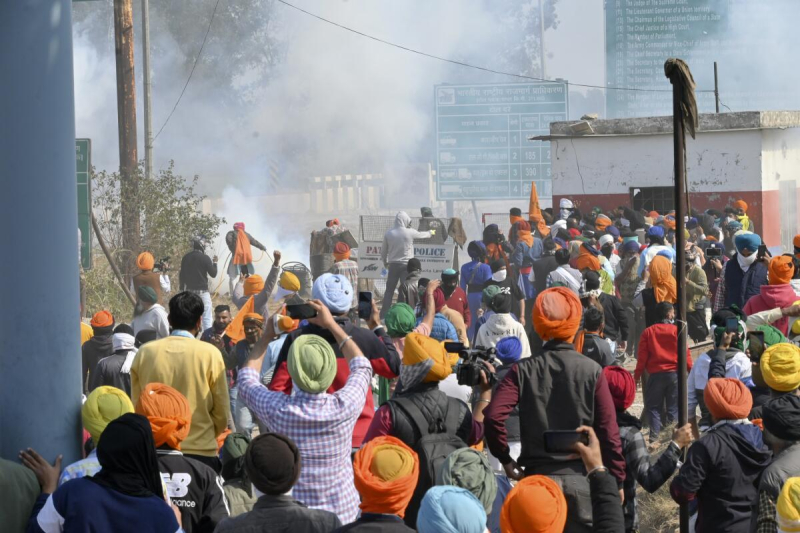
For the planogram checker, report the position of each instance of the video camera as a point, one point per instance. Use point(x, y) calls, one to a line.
point(162, 266)
point(471, 362)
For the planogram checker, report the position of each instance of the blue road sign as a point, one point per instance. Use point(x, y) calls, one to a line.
point(482, 146)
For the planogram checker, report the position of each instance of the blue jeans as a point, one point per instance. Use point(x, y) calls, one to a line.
point(243, 418)
point(660, 387)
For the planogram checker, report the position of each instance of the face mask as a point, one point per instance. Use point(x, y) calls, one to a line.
point(669, 321)
point(500, 276)
point(745, 262)
point(565, 213)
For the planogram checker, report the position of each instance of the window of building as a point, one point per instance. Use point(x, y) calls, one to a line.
point(658, 199)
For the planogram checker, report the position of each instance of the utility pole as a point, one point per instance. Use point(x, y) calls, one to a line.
point(126, 116)
point(541, 39)
point(148, 111)
point(716, 87)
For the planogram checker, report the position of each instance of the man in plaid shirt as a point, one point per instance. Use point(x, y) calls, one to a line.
point(321, 424)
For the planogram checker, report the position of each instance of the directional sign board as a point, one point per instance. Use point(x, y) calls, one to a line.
point(482, 146)
point(83, 154)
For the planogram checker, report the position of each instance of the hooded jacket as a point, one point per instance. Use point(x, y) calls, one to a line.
point(499, 326)
point(720, 472)
point(398, 242)
point(772, 297)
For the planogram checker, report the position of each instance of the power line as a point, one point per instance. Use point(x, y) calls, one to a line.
point(196, 59)
point(461, 63)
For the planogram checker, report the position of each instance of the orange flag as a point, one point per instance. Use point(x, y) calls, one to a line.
point(235, 329)
point(535, 213)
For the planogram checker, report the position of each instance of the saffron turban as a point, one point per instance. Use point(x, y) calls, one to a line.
point(587, 258)
point(469, 469)
point(272, 463)
point(781, 270)
point(424, 361)
point(557, 314)
point(669, 220)
point(334, 291)
point(602, 222)
point(535, 505)
point(509, 350)
point(664, 287)
point(788, 508)
point(103, 405)
point(287, 324)
point(145, 261)
point(102, 319)
point(780, 366)
point(400, 320)
point(253, 285)
point(312, 363)
point(168, 412)
point(385, 472)
point(254, 317)
point(447, 509)
point(621, 385)
point(727, 399)
point(341, 251)
point(740, 204)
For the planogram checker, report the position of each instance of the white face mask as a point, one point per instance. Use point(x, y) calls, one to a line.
point(745, 262)
point(500, 276)
point(565, 213)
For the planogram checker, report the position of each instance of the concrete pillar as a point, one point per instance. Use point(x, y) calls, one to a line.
point(40, 357)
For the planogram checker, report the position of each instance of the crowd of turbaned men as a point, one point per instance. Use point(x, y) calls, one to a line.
point(510, 387)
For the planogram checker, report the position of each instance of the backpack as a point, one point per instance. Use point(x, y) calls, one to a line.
point(432, 448)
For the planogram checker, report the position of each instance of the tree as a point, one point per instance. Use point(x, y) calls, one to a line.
point(171, 215)
point(520, 52)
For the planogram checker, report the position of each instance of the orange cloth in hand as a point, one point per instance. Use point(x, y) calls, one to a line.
point(535, 505)
point(235, 329)
point(145, 261)
point(781, 270)
point(243, 255)
point(557, 314)
point(253, 285)
point(664, 286)
point(385, 473)
point(168, 412)
point(727, 399)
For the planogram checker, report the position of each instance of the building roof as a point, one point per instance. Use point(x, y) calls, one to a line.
point(746, 120)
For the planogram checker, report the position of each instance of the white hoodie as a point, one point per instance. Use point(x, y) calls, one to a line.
point(398, 243)
point(500, 326)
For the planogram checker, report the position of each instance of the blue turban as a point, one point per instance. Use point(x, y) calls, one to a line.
point(559, 241)
point(613, 230)
point(734, 226)
point(449, 272)
point(476, 249)
point(448, 509)
point(591, 249)
point(693, 223)
point(335, 291)
point(656, 231)
point(630, 246)
point(509, 350)
point(669, 253)
point(751, 241)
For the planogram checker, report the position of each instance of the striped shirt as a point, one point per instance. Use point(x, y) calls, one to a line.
point(321, 425)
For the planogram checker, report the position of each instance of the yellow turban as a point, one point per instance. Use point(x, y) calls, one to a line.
point(145, 261)
point(289, 282)
point(102, 406)
point(420, 348)
point(780, 366)
point(385, 474)
point(788, 510)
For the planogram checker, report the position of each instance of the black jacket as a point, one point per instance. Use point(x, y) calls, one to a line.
point(196, 268)
point(107, 372)
point(280, 514)
point(92, 351)
point(376, 523)
point(542, 268)
point(615, 318)
point(195, 489)
point(606, 509)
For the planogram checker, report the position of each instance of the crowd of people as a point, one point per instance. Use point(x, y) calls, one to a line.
point(264, 415)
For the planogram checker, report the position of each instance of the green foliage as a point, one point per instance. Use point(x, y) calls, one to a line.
point(170, 215)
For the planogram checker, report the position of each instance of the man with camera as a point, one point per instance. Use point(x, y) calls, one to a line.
point(153, 275)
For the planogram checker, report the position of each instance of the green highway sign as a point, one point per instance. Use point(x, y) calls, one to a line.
point(83, 163)
point(482, 146)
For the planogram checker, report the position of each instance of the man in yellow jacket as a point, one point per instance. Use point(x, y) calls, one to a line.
point(195, 369)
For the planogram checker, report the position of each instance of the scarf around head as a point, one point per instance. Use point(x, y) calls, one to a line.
point(664, 286)
point(126, 342)
point(243, 254)
point(469, 469)
point(168, 412)
point(535, 505)
point(447, 509)
point(385, 473)
point(311, 363)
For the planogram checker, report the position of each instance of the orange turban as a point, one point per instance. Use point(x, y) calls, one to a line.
point(524, 232)
point(385, 474)
point(168, 412)
point(586, 259)
point(727, 399)
point(796, 241)
point(287, 324)
point(535, 505)
point(781, 270)
point(670, 222)
point(341, 251)
point(253, 285)
point(557, 314)
point(102, 319)
point(145, 261)
point(254, 317)
point(740, 204)
point(653, 214)
point(602, 222)
point(661, 279)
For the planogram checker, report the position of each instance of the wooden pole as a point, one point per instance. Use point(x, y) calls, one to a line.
point(126, 116)
point(111, 262)
point(679, 140)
